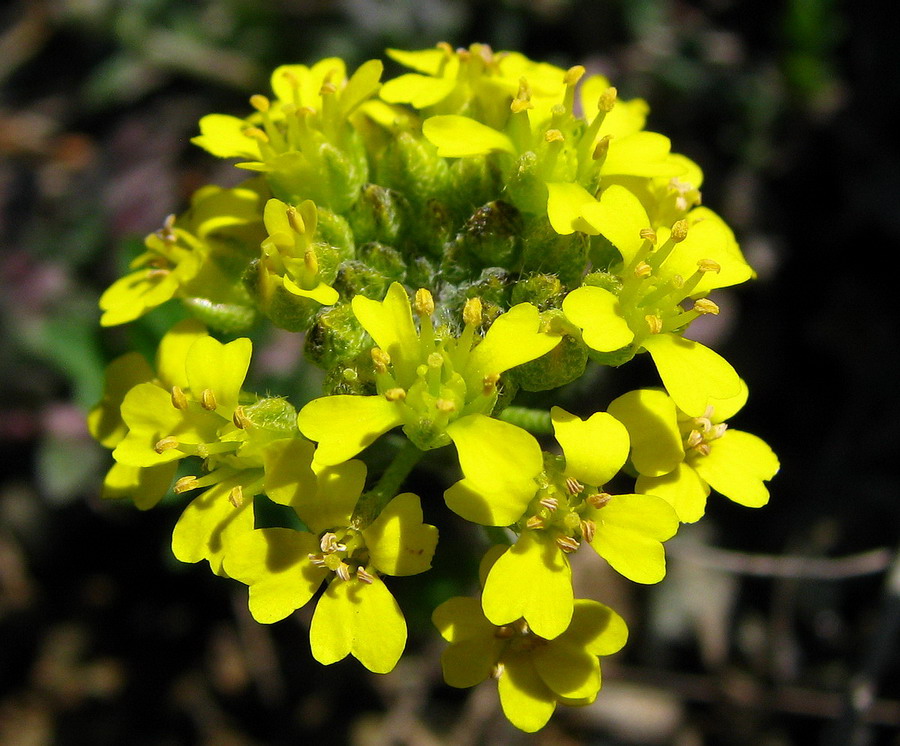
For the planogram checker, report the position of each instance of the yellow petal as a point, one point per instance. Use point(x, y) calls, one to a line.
point(122, 374)
point(399, 543)
point(360, 619)
point(596, 312)
point(652, 422)
point(173, 352)
point(145, 486)
point(596, 628)
point(567, 670)
point(321, 293)
point(682, 488)
point(640, 154)
point(595, 449)
point(461, 618)
point(223, 136)
point(619, 216)
point(390, 324)
point(500, 462)
point(220, 369)
point(532, 579)
point(460, 137)
point(344, 425)
point(339, 488)
point(565, 205)
point(692, 374)
point(420, 91)
point(736, 467)
point(526, 700)
point(629, 532)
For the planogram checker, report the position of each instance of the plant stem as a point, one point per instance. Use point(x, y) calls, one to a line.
point(371, 503)
point(535, 421)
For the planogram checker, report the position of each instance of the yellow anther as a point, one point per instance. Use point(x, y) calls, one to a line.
point(236, 496)
point(256, 133)
point(295, 220)
point(179, 400)
point(554, 135)
point(574, 74)
point(489, 383)
point(329, 543)
point(497, 670)
point(317, 559)
point(364, 577)
point(588, 529)
point(679, 231)
point(608, 99)
point(648, 234)
point(694, 439)
point(435, 360)
point(472, 312)
point(574, 486)
point(535, 522)
point(518, 105)
point(381, 360)
point(567, 543)
point(445, 405)
point(446, 48)
point(601, 148)
point(343, 571)
point(311, 261)
point(240, 419)
point(709, 265)
point(677, 282)
point(551, 503)
point(705, 305)
point(654, 322)
point(599, 500)
point(395, 394)
point(260, 102)
point(327, 89)
point(423, 302)
point(166, 444)
point(505, 632)
point(718, 431)
point(642, 269)
point(208, 400)
point(184, 484)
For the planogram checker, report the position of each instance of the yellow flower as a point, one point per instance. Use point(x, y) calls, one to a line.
point(558, 504)
point(426, 378)
point(533, 673)
point(183, 258)
point(679, 457)
point(356, 615)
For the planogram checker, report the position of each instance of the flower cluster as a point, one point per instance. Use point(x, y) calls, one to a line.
point(480, 226)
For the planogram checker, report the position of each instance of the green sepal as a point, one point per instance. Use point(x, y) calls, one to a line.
point(541, 290)
point(545, 250)
point(378, 215)
point(562, 365)
point(336, 338)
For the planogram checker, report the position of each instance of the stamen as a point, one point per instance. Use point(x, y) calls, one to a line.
point(554, 135)
point(709, 265)
point(381, 360)
point(601, 148)
point(497, 670)
point(395, 394)
point(588, 530)
point(311, 261)
point(489, 383)
point(445, 405)
point(472, 312)
point(654, 322)
point(257, 134)
point(679, 231)
point(424, 302)
point(295, 220)
point(705, 305)
point(364, 576)
point(567, 544)
point(260, 103)
point(608, 99)
point(185, 484)
point(551, 503)
point(329, 543)
point(435, 360)
point(236, 496)
point(694, 439)
point(166, 444)
point(574, 74)
point(343, 571)
point(240, 420)
point(535, 522)
point(599, 500)
point(642, 269)
point(179, 400)
point(574, 486)
point(648, 234)
point(208, 400)
point(505, 632)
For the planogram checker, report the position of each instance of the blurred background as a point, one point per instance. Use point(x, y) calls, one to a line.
point(776, 626)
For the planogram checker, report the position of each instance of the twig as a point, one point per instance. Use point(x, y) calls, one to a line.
point(783, 566)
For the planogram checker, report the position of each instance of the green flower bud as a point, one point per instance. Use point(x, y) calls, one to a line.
point(377, 215)
point(336, 338)
point(562, 365)
point(543, 248)
point(525, 186)
point(541, 290)
point(411, 166)
point(227, 318)
point(491, 237)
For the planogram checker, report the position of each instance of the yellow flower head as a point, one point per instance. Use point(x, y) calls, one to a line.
point(679, 457)
point(426, 378)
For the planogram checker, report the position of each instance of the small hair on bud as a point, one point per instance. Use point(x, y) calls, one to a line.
point(208, 400)
point(472, 312)
point(424, 302)
point(608, 99)
point(679, 231)
point(705, 305)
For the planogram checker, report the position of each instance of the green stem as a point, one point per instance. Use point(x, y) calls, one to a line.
point(374, 501)
point(498, 535)
point(535, 421)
